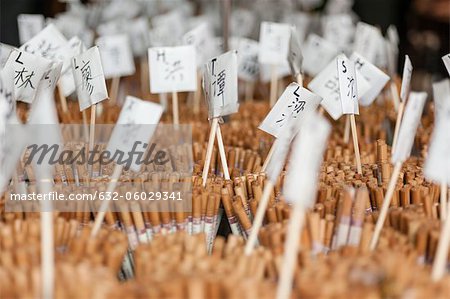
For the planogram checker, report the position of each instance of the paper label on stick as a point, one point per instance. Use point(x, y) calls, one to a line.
point(347, 85)
point(374, 76)
point(367, 39)
point(89, 78)
point(408, 127)
point(220, 85)
point(339, 30)
point(67, 82)
point(273, 43)
point(247, 54)
point(446, 60)
point(198, 37)
point(46, 43)
point(441, 92)
point(28, 70)
point(294, 104)
point(115, 52)
point(29, 26)
point(130, 130)
point(326, 85)
point(406, 79)
point(295, 57)
point(317, 53)
point(437, 164)
point(5, 51)
point(307, 154)
point(172, 69)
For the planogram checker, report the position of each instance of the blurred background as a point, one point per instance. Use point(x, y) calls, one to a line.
point(423, 25)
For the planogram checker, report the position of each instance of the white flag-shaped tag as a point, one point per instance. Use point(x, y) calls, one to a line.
point(198, 37)
point(294, 104)
point(307, 154)
point(347, 85)
point(132, 128)
point(437, 164)
point(326, 85)
point(317, 53)
point(5, 51)
point(28, 70)
point(339, 30)
point(242, 22)
point(446, 60)
point(89, 78)
point(46, 43)
point(408, 127)
point(247, 53)
point(295, 57)
point(29, 26)
point(115, 52)
point(367, 39)
point(273, 43)
point(172, 69)
point(406, 79)
point(220, 85)
point(441, 92)
point(73, 48)
point(374, 76)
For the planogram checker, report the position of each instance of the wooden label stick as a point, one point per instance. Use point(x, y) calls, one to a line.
point(114, 91)
point(63, 99)
point(404, 92)
point(440, 259)
point(91, 135)
point(394, 93)
point(355, 143)
point(443, 202)
point(209, 149)
point(223, 156)
point(176, 120)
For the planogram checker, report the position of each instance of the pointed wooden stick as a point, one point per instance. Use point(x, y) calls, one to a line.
point(91, 136)
point(443, 202)
point(385, 206)
point(273, 86)
point(105, 204)
point(347, 130)
point(269, 156)
point(291, 247)
point(63, 99)
point(257, 222)
point(440, 258)
point(176, 120)
point(300, 79)
point(223, 156)
point(209, 149)
point(355, 143)
point(401, 108)
point(114, 92)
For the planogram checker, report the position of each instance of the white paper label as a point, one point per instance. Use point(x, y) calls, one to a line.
point(406, 79)
point(317, 53)
point(29, 26)
point(307, 153)
point(441, 92)
point(295, 57)
point(374, 76)
point(115, 52)
point(367, 41)
point(326, 85)
point(130, 128)
point(172, 69)
point(5, 51)
point(437, 164)
point(446, 60)
point(247, 53)
point(46, 43)
point(198, 37)
point(294, 104)
point(28, 70)
point(220, 85)
point(242, 22)
point(347, 85)
point(408, 127)
point(339, 30)
point(89, 78)
point(273, 43)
